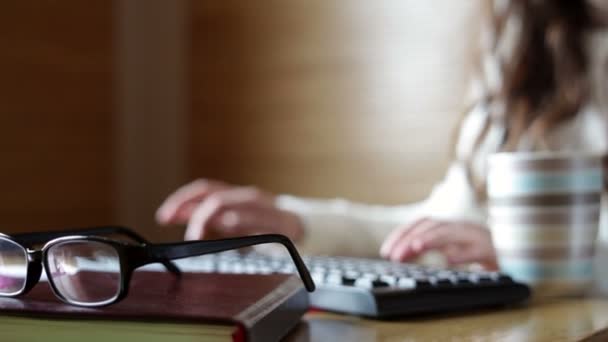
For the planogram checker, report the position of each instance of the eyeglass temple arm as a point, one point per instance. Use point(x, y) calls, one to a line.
point(196, 248)
point(42, 237)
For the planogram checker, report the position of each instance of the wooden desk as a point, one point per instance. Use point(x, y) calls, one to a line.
point(557, 320)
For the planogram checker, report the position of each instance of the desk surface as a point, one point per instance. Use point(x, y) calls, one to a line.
point(550, 320)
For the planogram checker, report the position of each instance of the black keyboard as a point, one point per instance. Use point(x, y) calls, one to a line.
point(377, 288)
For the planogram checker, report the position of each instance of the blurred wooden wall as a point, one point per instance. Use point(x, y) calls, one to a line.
point(56, 143)
point(325, 98)
point(106, 106)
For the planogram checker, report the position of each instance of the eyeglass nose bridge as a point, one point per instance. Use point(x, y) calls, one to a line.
point(34, 269)
point(34, 255)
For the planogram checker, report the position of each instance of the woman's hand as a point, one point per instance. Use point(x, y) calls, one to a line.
point(215, 209)
point(460, 242)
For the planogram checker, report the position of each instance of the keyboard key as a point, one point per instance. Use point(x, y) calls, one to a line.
point(406, 283)
point(484, 279)
point(369, 275)
point(445, 274)
point(336, 279)
point(333, 279)
point(318, 278)
point(503, 278)
point(352, 274)
point(423, 283)
point(368, 283)
point(463, 279)
point(389, 279)
point(348, 281)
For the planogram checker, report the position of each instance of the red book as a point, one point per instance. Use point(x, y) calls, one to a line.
point(237, 307)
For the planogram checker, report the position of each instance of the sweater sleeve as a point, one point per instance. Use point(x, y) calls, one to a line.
point(340, 227)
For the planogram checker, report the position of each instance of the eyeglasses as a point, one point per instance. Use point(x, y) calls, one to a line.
point(89, 270)
point(29, 240)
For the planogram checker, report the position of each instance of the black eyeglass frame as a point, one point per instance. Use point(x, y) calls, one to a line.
point(133, 256)
point(28, 240)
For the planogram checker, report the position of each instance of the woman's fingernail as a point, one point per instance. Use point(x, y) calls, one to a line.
point(416, 245)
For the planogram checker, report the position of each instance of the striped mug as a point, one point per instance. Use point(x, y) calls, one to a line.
point(543, 211)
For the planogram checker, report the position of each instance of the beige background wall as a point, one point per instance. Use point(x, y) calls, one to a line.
point(328, 98)
point(106, 106)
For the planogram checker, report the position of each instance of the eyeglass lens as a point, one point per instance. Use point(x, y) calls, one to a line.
point(86, 272)
point(13, 267)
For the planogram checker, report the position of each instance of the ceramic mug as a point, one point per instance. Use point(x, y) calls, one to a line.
point(544, 211)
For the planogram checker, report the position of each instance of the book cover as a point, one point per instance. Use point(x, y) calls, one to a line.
point(237, 307)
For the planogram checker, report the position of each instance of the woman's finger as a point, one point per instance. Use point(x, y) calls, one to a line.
point(397, 235)
point(409, 246)
point(442, 235)
point(247, 221)
point(209, 211)
point(179, 206)
point(477, 251)
point(460, 243)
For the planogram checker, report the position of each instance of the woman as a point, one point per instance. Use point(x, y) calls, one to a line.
point(534, 92)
